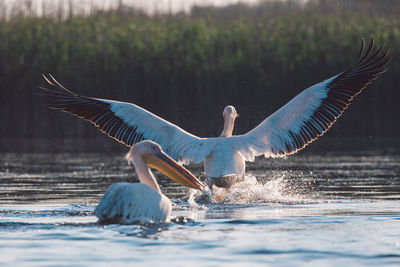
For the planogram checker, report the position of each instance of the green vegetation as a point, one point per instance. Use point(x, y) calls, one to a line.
point(186, 68)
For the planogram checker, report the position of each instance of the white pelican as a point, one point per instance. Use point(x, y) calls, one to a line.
point(303, 119)
point(126, 203)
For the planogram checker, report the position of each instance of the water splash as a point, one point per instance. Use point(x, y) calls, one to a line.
point(251, 190)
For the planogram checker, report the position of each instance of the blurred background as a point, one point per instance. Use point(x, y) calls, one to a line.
point(186, 60)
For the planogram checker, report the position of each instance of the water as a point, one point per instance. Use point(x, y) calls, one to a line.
point(330, 209)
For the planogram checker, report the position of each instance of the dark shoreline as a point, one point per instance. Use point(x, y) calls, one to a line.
point(325, 144)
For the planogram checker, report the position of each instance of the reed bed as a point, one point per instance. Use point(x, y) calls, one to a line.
point(187, 67)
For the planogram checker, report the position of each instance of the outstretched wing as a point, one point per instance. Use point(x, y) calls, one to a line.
point(311, 113)
point(125, 122)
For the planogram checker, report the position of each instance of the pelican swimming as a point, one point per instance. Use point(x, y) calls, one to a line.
point(302, 120)
point(126, 203)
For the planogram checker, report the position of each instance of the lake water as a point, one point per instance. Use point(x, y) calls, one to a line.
point(315, 210)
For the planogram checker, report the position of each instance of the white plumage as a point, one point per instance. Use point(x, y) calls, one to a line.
point(127, 203)
point(291, 128)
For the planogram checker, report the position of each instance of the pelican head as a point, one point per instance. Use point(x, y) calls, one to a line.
point(152, 155)
point(230, 112)
point(229, 115)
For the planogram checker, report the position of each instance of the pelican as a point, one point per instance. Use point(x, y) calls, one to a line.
point(298, 123)
point(126, 203)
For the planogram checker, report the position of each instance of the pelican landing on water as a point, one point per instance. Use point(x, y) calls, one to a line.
point(127, 203)
point(302, 120)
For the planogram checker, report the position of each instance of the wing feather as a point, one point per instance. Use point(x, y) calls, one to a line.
point(126, 123)
point(311, 113)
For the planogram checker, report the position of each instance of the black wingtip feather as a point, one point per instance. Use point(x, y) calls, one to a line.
point(367, 67)
point(95, 111)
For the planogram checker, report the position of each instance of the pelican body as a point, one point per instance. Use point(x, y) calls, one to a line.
point(295, 125)
point(225, 166)
point(127, 203)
